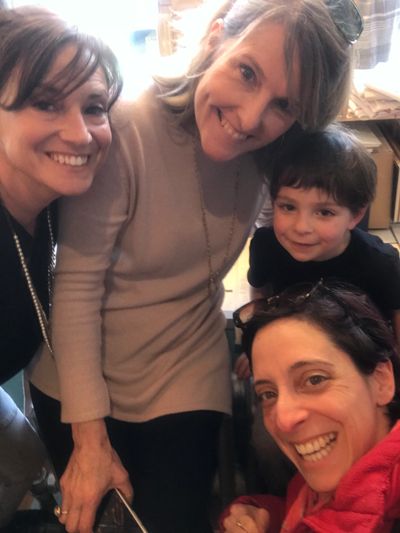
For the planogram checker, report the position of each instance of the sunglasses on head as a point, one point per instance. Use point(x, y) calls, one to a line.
point(347, 18)
point(293, 298)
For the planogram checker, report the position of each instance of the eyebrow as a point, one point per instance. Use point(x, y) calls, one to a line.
point(98, 94)
point(308, 362)
point(296, 366)
point(46, 88)
point(51, 91)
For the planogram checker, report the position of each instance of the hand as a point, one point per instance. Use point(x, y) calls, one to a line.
point(246, 519)
point(242, 367)
point(93, 469)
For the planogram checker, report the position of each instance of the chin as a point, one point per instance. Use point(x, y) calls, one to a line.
point(218, 155)
point(79, 188)
point(301, 258)
point(323, 485)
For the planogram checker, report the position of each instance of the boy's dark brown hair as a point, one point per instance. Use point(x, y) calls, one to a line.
point(332, 160)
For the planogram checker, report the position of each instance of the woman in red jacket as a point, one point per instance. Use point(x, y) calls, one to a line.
point(327, 374)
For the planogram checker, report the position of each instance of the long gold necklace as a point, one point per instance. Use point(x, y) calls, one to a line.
point(40, 313)
point(214, 274)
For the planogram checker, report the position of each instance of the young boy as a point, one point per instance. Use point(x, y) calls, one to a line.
point(321, 187)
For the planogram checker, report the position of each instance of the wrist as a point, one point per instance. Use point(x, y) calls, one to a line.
point(90, 433)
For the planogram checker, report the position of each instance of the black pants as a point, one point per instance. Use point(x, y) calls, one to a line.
point(171, 462)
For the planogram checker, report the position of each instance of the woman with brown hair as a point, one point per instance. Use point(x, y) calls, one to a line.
point(56, 89)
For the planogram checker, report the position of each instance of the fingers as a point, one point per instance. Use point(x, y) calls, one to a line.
point(79, 506)
point(243, 524)
point(87, 478)
point(240, 525)
point(246, 518)
point(79, 516)
point(84, 520)
point(127, 491)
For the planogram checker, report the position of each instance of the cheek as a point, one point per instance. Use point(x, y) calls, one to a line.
point(280, 222)
point(202, 90)
point(349, 406)
point(199, 105)
point(208, 92)
point(275, 126)
point(269, 421)
point(330, 233)
point(102, 135)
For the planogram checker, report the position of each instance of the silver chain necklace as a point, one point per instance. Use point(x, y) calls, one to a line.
point(213, 275)
point(40, 313)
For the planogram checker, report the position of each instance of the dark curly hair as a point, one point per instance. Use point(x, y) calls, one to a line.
point(332, 160)
point(345, 314)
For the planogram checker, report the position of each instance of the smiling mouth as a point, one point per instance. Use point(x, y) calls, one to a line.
point(70, 160)
point(316, 449)
point(303, 244)
point(229, 129)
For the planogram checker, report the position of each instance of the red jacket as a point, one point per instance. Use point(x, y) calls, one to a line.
point(366, 500)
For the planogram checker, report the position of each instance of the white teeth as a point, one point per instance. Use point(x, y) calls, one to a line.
point(318, 455)
point(310, 448)
point(72, 160)
point(317, 448)
point(229, 129)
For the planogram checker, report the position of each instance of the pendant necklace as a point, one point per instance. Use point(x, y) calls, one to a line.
point(214, 274)
point(40, 313)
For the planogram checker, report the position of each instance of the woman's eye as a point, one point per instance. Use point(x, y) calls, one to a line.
point(266, 396)
point(248, 73)
point(283, 106)
point(96, 109)
point(316, 379)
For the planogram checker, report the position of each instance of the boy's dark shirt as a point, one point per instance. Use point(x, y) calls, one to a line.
point(367, 262)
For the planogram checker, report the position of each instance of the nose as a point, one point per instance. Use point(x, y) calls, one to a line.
point(302, 223)
point(290, 413)
point(253, 112)
point(74, 129)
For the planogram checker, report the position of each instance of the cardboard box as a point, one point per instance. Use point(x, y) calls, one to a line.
point(381, 152)
point(380, 213)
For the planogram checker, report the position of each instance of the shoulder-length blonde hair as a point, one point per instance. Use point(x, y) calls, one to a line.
point(311, 32)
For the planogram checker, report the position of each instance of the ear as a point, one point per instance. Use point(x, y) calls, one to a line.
point(358, 217)
point(383, 383)
point(214, 35)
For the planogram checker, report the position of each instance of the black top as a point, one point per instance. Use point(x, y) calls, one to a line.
point(367, 262)
point(20, 334)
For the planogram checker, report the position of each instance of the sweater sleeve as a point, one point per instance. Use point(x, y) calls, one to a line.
point(89, 227)
point(275, 506)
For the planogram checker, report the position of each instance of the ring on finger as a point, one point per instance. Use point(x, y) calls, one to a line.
point(58, 511)
point(239, 524)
